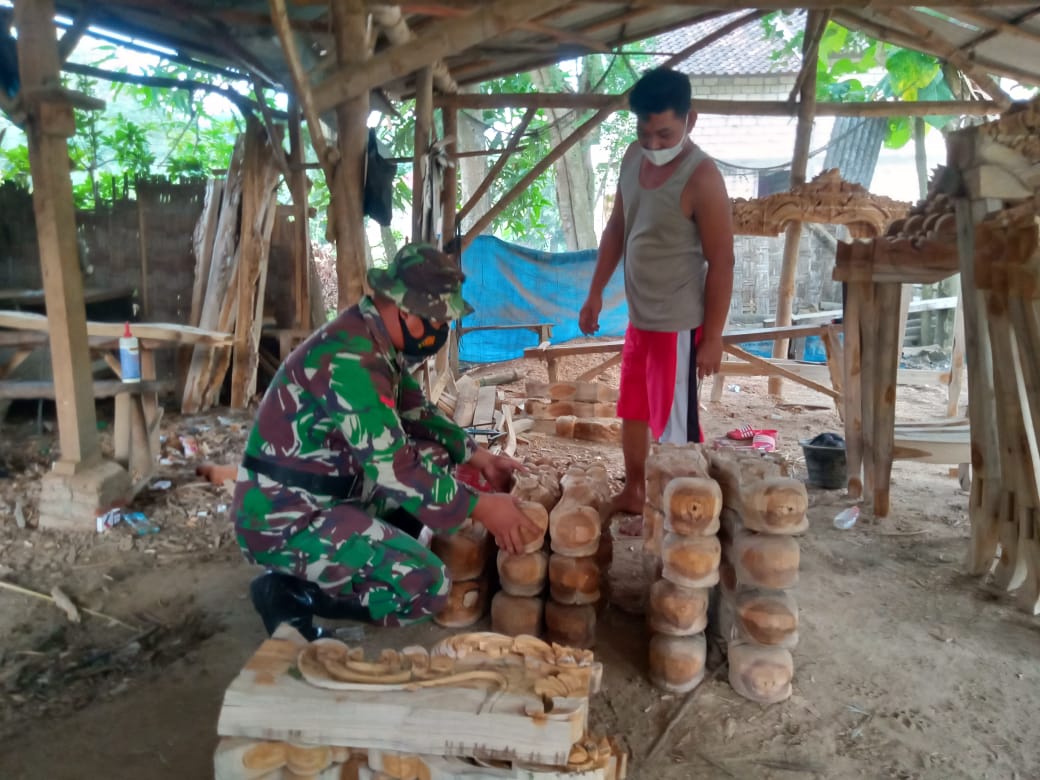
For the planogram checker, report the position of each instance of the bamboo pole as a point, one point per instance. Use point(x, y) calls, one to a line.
point(500, 163)
point(594, 121)
point(816, 22)
point(421, 162)
point(783, 108)
point(349, 28)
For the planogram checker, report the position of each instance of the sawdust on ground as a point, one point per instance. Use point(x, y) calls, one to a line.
point(906, 668)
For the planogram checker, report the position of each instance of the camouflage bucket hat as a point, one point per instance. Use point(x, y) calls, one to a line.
point(423, 281)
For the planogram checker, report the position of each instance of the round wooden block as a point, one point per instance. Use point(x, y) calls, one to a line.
point(534, 540)
point(465, 553)
point(575, 532)
point(653, 529)
point(776, 506)
point(574, 580)
point(523, 575)
point(766, 561)
point(666, 462)
point(677, 662)
point(768, 617)
point(565, 426)
point(516, 615)
point(761, 674)
point(677, 611)
point(571, 625)
point(692, 506)
point(691, 561)
point(467, 603)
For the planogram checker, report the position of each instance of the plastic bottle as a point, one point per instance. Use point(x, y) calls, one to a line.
point(130, 356)
point(846, 518)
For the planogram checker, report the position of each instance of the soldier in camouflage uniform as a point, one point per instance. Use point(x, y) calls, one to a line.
point(348, 462)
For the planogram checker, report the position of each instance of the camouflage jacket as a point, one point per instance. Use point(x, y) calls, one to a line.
point(343, 404)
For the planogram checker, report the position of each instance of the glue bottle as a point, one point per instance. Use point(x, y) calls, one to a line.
point(130, 356)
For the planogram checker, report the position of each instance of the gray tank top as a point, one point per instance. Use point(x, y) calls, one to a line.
point(664, 261)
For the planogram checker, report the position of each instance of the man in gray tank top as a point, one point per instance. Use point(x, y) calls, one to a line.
point(672, 225)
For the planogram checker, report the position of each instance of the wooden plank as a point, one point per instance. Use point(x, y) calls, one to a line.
point(50, 123)
point(157, 331)
point(779, 371)
point(596, 370)
point(265, 701)
point(868, 351)
point(16, 359)
point(832, 344)
point(466, 401)
point(102, 388)
point(484, 414)
point(249, 262)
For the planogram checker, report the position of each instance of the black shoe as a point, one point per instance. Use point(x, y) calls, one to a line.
point(282, 598)
point(325, 606)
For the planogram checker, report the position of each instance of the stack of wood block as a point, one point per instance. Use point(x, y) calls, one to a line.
point(466, 555)
point(577, 576)
point(519, 607)
point(574, 410)
point(473, 707)
point(685, 510)
point(757, 615)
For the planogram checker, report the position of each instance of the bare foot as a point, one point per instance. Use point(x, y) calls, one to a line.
point(628, 502)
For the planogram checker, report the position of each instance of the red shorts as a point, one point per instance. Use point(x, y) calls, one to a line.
point(659, 383)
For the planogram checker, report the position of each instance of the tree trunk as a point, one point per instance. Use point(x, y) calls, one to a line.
point(574, 184)
point(472, 169)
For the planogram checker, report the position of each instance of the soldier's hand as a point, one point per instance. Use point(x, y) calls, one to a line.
point(497, 469)
point(500, 514)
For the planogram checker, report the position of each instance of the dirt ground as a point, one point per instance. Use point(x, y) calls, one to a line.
point(906, 667)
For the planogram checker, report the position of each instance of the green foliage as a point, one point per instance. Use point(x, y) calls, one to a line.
point(847, 66)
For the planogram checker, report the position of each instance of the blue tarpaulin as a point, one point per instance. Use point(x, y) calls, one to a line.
point(509, 285)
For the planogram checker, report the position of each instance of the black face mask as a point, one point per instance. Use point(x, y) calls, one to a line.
point(425, 345)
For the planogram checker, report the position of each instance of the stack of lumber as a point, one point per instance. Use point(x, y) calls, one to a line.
point(519, 607)
point(579, 538)
point(473, 707)
point(466, 554)
point(686, 503)
point(574, 410)
point(757, 616)
point(232, 243)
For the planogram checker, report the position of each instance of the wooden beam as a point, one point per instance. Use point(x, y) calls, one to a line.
point(422, 165)
point(352, 47)
point(998, 25)
point(391, 21)
point(440, 39)
point(595, 100)
point(302, 89)
point(815, 24)
point(74, 33)
point(772, 370)
point(450, 190)
point(49, 124)
point(594, 121)
point(301, 243)
point(500, 163)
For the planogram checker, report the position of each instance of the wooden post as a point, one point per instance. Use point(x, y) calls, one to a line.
point(887, 320)
point(816, 22)
point(301, 257)
point(348, 187)
point(248, 266)
point(50, 123)
point(956, 359)
point(853, 388)
point(142, 239)
point(421, 161)
point(982, 412)
point(450, 193)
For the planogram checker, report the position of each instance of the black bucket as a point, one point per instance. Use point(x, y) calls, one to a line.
point(826, 466)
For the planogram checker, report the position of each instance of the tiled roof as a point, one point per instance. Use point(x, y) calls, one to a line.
point(744, 52)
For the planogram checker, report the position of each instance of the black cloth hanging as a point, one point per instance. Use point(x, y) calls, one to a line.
point(379, 183)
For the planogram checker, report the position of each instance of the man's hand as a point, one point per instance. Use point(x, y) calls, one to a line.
point(500, 514)
point(709, 356)
point(496, 469)
point(588, 318)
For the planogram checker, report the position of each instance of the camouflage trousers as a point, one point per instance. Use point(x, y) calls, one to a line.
point(345, 551)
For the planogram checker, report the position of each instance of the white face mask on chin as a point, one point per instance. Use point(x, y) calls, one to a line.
point(661, 157)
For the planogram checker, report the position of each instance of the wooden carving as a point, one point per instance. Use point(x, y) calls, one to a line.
point(765, 561)
point(692, 506)
point(767, 617)
point(568, 624)
point(826, 200)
